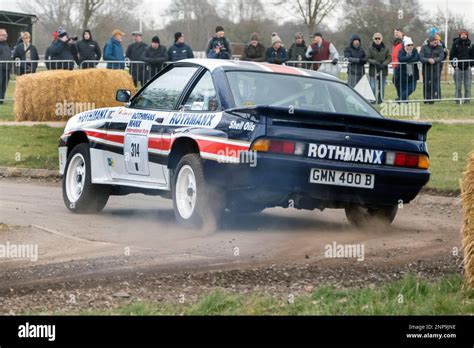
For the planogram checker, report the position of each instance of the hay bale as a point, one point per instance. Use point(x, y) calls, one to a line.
point(468, 222)
point(59, 94)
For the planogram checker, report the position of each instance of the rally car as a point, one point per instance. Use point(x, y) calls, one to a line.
point(231, 137)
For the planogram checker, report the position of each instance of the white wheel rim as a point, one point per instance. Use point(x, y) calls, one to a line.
point(186, 192)
point(75, 178)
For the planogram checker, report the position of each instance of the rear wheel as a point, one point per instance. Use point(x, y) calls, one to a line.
point(360, 216)
point(196, 203)
point(79, 194)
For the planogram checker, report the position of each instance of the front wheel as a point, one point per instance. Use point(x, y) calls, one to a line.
point(79, 194)
point(196, 203)
point(360, 216)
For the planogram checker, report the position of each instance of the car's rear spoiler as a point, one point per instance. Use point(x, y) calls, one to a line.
point(279, 116)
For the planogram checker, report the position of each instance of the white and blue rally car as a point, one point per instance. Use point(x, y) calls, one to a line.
point(217, 136)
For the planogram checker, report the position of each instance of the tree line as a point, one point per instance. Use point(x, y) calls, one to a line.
point(198, 18)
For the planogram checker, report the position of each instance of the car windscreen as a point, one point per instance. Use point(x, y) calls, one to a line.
point(251, 88)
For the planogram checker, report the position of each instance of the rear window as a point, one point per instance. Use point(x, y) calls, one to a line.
point(254, 88)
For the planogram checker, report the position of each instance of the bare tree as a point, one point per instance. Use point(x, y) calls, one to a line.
point(196, 18)
point(54, 13)
point(191, 9)
point(244, 10)
point(366, 17)
point(102, 16)
point(310, 12)
point(89, 8)
point(455, 23)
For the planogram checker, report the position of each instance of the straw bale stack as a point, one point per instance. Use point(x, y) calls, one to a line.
point(468, 222)
point(60, 94)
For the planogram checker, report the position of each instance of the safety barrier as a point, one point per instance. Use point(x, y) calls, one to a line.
point(11, 68)
point(402, 76)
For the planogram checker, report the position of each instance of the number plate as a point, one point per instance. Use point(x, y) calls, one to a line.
point(337, 178)
point(136, 154)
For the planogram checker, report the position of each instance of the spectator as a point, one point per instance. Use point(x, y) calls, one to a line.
point(407, 72)
point(179, 50)
point(254, 51)
point(462, 50)
point(5, 68)
point(431, 55)
point(321, 50)
point(134, 53)
point(47, 55)
point(396, 47)
point(357, 58)
point(25, 52)
point(277, 53)
point(154, 55)
point(220, 40)
point(64, 50)
point(20, 39)
point(297, 50)
point(218, 52)
point(435, 32)
point(113, 51)
point(378, 57)
point(88, 49)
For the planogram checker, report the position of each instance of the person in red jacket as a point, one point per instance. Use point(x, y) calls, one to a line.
point(396, 47)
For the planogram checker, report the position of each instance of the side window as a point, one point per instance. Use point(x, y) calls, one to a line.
point(203, 97)
point(164, 92)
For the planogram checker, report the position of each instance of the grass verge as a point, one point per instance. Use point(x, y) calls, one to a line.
point(444, 110)
point(6, 112)
point(449, 146)
point(29, 147)
point(409, 296)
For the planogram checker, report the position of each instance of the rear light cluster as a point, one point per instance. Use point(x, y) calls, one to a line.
point(279, 146)
point(396, 159)
point(401, 159)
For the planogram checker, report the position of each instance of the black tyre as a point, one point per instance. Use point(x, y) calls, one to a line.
point(79, 194)
point(196, 203)
point(361, 216)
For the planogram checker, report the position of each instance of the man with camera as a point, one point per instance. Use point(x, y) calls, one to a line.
point(218, 46)
point(65, 50)
point(218, 51)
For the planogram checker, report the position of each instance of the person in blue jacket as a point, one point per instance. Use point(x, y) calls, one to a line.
point(277, 53)
point(179, 50)
point(113, 51)
point(408, 73)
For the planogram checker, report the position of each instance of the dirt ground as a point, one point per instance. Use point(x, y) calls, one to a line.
point(134, 250)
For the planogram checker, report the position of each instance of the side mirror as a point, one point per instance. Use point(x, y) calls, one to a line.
point(123, 95)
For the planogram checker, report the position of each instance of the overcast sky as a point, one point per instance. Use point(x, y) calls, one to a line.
point(155, 8)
